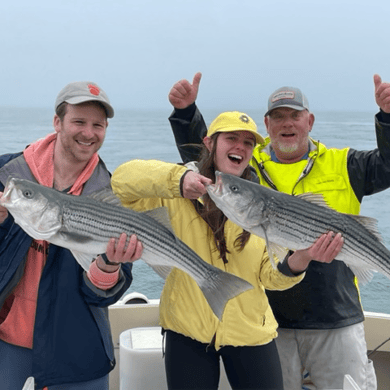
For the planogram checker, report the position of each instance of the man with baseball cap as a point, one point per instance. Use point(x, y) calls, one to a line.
point(287, 97)
point(53, 314)
point(320, 320)
point(84, 91)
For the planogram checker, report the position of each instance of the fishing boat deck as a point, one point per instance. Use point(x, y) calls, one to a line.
point(124, 317)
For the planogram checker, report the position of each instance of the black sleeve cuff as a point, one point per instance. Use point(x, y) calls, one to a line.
point(284, 268)
point(383, 117)
point(185, 113)
point(182, 181)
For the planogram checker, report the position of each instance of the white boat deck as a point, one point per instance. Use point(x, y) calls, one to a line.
point(124, 317)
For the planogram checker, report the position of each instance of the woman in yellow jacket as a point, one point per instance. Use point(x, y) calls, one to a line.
point(195, 338)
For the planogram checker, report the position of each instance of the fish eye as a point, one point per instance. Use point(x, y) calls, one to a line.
point(27, 194)
point(234, 188)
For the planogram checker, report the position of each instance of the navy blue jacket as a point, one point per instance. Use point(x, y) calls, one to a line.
point(72, 338)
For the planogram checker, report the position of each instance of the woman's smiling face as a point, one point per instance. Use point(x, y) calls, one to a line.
point(233, 151)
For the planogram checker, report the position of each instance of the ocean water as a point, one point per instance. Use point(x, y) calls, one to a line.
point(147, 135)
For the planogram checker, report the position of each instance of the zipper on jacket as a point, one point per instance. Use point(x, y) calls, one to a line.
point(265, 175)
point(305, 172)
point(267, 178)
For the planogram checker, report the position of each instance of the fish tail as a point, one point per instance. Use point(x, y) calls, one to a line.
point(225, 286)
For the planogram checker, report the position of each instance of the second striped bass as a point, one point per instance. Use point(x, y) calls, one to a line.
point(296, 222)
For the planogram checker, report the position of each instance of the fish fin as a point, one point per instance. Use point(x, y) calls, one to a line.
point(222, 287)
point(160, 215)
point(371, 224)
point(84, 259)
point(29, 384)
point(279, 252)
point(36, 233)
point(270, 249)
point(69, 236)
point(363, 275)
point(106, 195)
point(317, 199)
point(193, 166)
point(161, 270)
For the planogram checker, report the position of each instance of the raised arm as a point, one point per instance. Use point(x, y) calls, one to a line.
point(186, 121)
point(369, 171)
point(382, 94)
point(183, 93)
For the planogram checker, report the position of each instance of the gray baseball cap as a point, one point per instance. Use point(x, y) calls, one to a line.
point(287, 97)
point(84, 91)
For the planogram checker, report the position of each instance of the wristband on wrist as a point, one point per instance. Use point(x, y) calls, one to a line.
point(105, 259)
point(289, 253)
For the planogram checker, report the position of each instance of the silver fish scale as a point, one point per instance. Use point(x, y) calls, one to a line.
point(100, 221)
point(293, 216)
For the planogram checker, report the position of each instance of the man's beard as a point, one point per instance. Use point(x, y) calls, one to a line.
point(287, 148)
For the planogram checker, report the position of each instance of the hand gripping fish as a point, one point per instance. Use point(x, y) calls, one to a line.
point(84, 225)
point(296, 222)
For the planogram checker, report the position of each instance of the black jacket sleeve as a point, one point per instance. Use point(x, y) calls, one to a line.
point(369, 171)
point(189, 129)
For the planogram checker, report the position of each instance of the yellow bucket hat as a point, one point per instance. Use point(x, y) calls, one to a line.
point(234, 121)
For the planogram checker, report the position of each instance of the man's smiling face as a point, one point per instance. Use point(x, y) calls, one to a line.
point(289, 131)
point(81, 133)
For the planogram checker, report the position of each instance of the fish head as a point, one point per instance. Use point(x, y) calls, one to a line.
point(37, 214)
point(237, 199)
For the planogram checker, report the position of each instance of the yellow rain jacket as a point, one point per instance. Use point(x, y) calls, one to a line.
point(325, 172)
point(248, 318)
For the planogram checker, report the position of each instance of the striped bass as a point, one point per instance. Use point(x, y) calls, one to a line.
point(85, 224)
point(296, 222)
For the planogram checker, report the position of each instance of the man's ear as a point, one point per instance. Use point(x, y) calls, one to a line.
point(56, 123)
point(311, 121)
point(266, 119)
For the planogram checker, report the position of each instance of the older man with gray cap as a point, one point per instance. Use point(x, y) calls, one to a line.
point(53, 315)
point(321, 330)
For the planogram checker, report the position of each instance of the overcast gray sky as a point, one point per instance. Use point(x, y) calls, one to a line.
point(136, 50)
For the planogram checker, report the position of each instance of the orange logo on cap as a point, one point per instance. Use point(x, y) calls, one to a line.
point(94, 89)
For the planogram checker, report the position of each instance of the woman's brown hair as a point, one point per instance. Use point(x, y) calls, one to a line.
point(212, 215)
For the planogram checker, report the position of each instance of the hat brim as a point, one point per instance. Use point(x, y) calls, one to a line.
point(294, 107)
point(258, 137)
point(84, 99)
